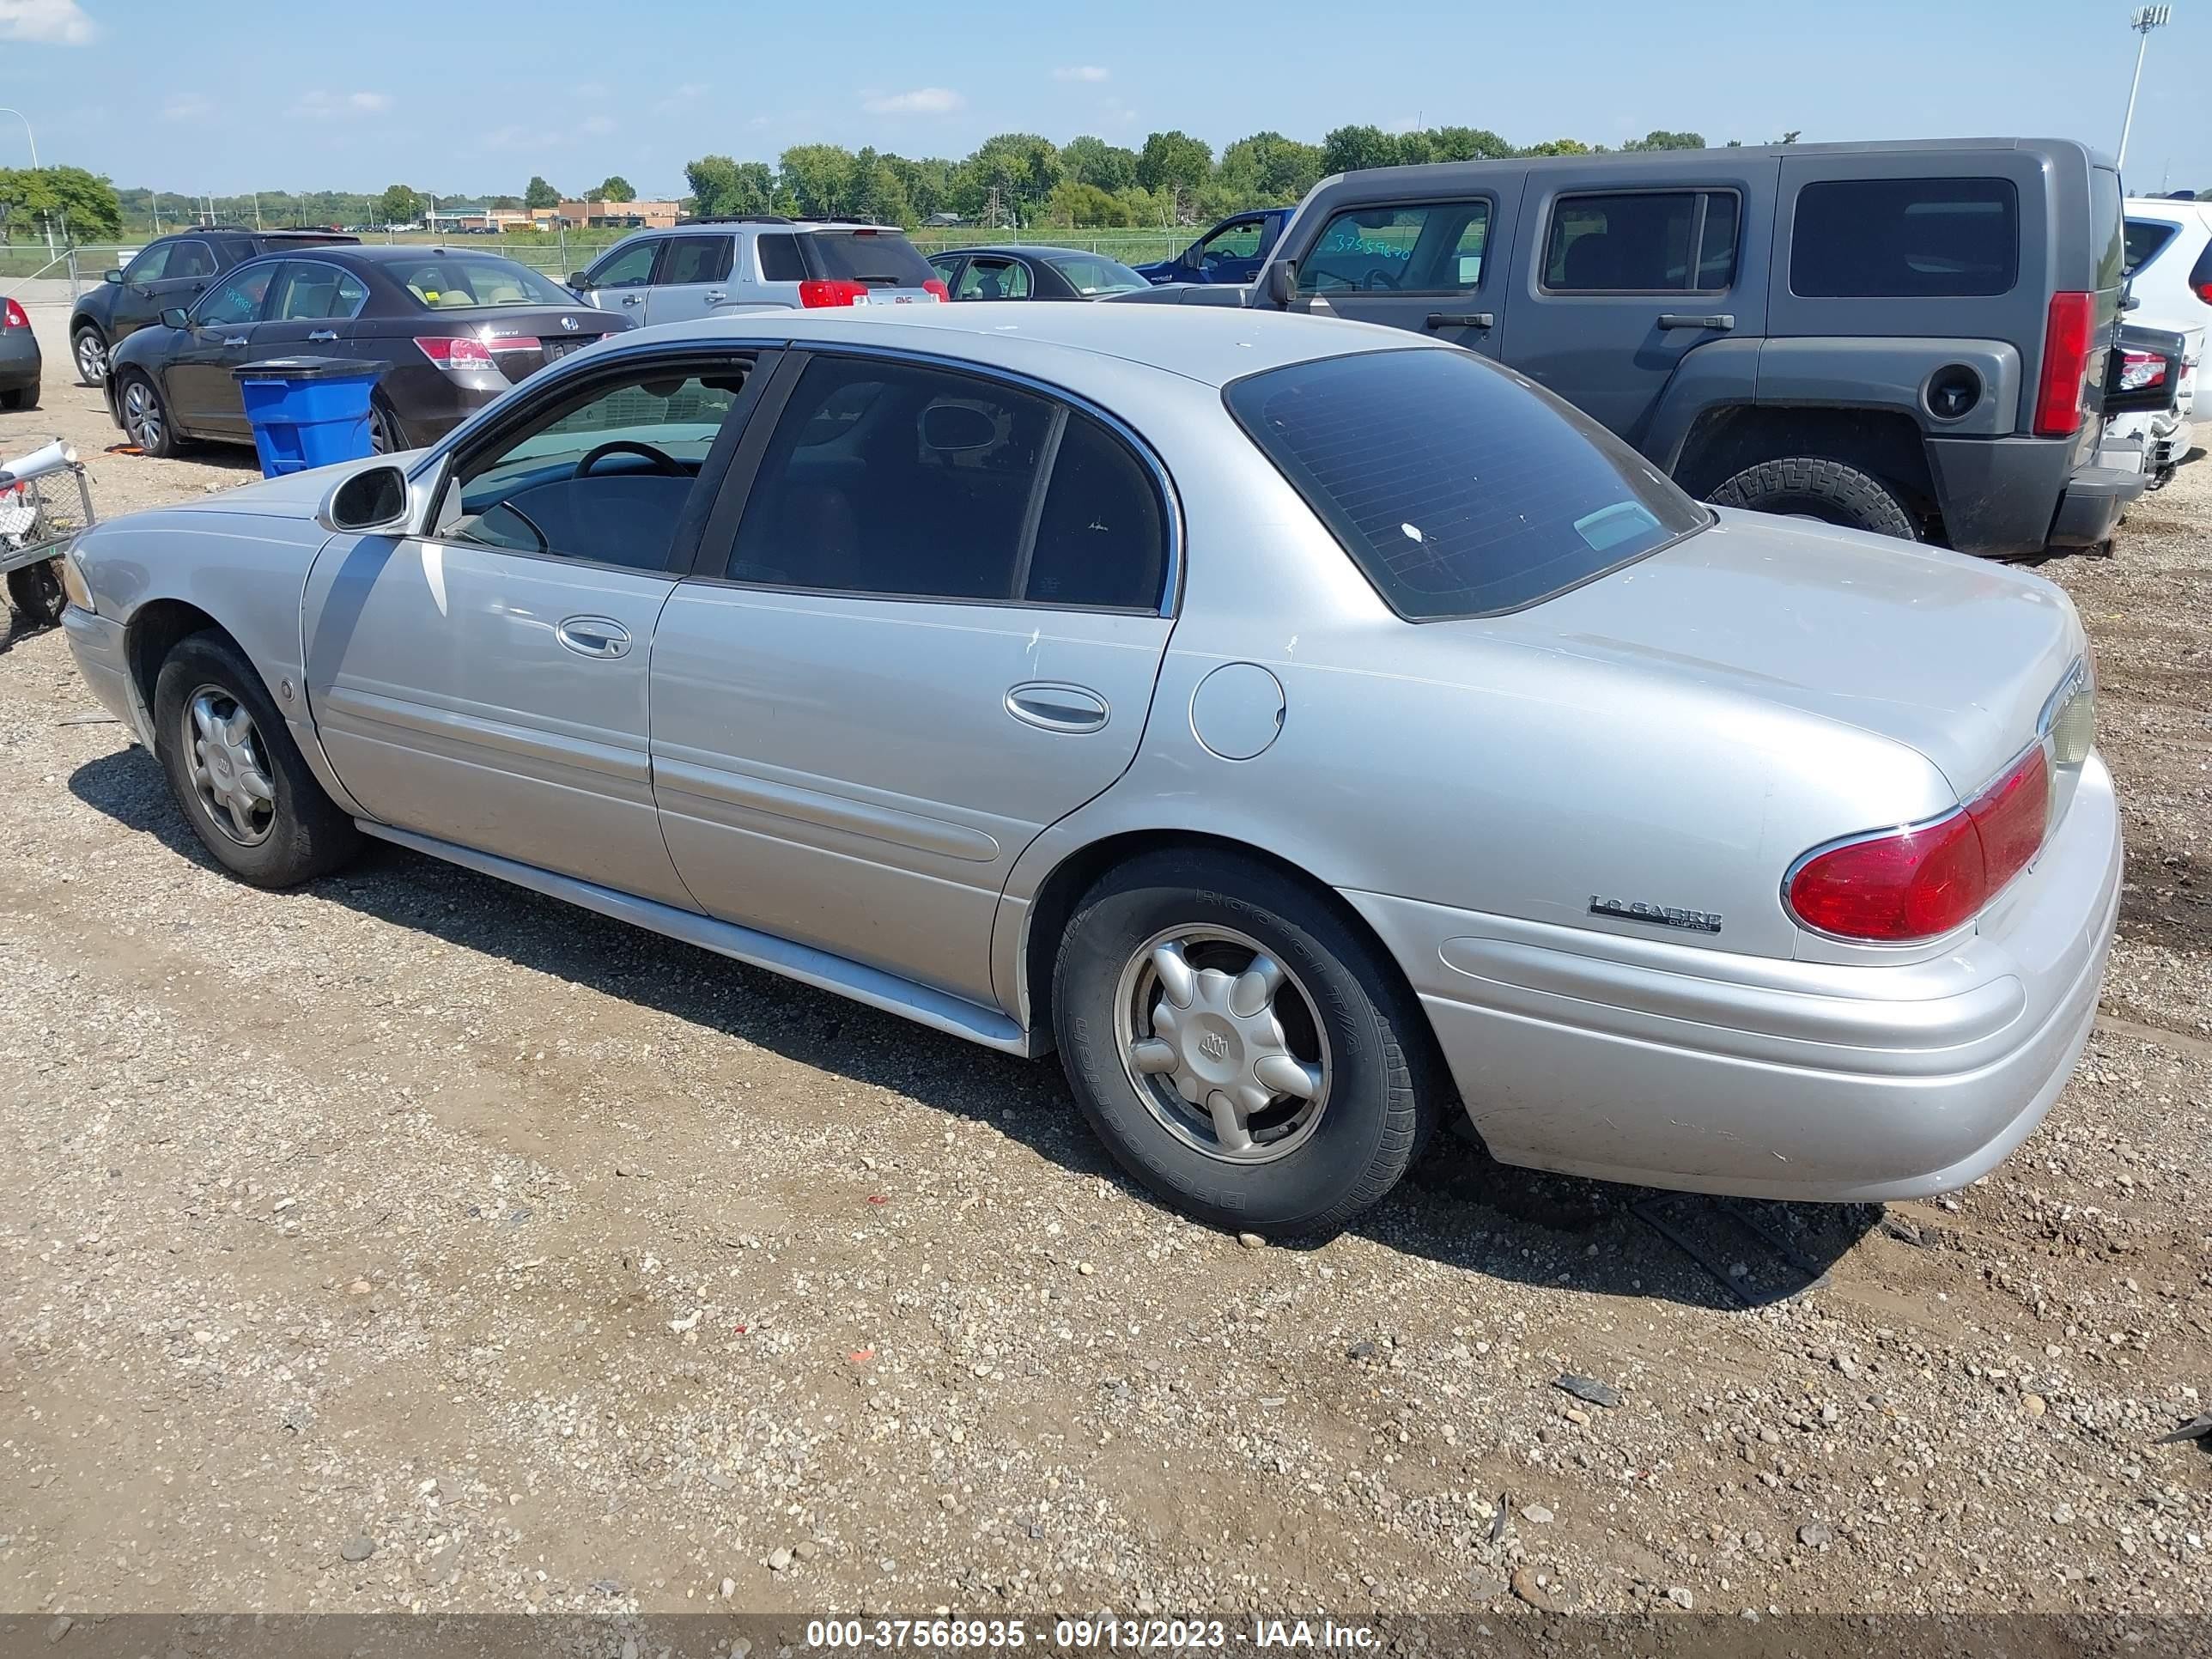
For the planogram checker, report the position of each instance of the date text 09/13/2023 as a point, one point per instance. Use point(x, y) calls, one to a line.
point(1089, 1635)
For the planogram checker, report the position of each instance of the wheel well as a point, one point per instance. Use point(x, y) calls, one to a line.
point(79, 323)
point(1054, 904)
point(154, 631)
point(1884, 443)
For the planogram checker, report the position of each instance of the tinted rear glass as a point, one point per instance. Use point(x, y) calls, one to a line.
point(779, 261)
point(1094, 273)
point(2145, 238)
point(453, 282)
point(1459, 490)
point(880, 258)
point(1905, 238)
point(2105, 227)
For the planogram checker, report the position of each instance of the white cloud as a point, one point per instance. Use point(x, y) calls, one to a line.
point(320, 106)
point(188, 107)
point(1082, 72)
point(922, 101)
point(522, 137)
point(46, 23)
point(598, 125)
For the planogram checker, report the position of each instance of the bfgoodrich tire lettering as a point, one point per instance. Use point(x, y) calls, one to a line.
point(1379, 1090)
point(1815, 487)
point(304, 835)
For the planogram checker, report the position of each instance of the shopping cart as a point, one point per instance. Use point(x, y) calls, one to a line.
point(45, 502)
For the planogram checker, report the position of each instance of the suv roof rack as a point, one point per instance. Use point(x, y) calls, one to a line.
point(735, 218)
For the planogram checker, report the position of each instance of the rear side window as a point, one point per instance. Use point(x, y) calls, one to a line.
point(2106, 227)
point(1101, 539)
point(698, 259)
point(1643, 242)
point(881, 259)
point(779, 261)
point(1905, 239)
point(1458, 491)
point(191, 259)
point(1424, 247)
point(2146, 238)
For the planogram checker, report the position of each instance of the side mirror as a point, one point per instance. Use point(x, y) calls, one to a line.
point(579, 282)
point(1281, 285)
point(173, 317)
point(373, 499)
point(111, 276)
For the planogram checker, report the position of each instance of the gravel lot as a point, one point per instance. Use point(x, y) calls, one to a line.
point(410, 1241)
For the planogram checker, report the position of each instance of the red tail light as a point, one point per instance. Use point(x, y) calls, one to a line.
point(455, 350)
point(2141, 370)
point(2204, 292)
point(1918, 882)
point(12, 315)
point(2065, 365)
point(936, 285)
point(820, 292)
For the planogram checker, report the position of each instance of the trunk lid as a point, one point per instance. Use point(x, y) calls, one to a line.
point(522, 339)
point(1953, 656)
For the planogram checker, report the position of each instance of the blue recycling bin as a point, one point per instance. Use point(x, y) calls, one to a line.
point(307, 411)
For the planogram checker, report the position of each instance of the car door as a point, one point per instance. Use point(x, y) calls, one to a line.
point(485, 683)
point(948, 267)
point(924, 624)
point(172, 273)
point(1436, 265)
point(622, 282)
point(218, 339)
point(694, 278)
point(310, 312)
point(1615, 285)
point(994, 276)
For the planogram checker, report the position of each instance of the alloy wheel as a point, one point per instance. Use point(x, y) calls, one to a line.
point(229, 766)
point(141, 414)
point(91, 358)
point(1223, 1043)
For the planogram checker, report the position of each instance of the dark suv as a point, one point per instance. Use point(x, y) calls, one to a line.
point(1908, 337)
point(169, 271)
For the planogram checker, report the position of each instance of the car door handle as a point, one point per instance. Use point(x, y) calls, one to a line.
point(1720, 319)
point(1052, 707)
point(633, 299)
point(1462, 319)
point(717, 293)
point(238, 340)
point(594, 637)
point(324, 334)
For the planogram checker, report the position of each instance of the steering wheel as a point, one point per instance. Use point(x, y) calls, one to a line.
point(662, 461)
point(1377, 277)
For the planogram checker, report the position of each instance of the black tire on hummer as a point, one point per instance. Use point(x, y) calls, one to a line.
point(1816, 486)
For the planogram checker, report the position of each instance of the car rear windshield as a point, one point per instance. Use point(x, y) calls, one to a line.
point(1094, 273)
point(2147, 239)
point(1905, 238)
point(1458, 488)
point(881, 259)
point(455, 281)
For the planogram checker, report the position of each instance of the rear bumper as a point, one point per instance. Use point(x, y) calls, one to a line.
point(2095, 499)
point(2004, 497)
point(20, 363)
point(1671, 1065)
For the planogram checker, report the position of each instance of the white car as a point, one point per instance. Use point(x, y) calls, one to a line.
point(2169, 266)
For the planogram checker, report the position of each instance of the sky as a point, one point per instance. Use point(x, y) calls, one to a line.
point(461, 96)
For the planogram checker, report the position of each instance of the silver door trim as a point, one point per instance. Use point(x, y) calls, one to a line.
point(824, 812)
point(939, 1010)
point(585, 754)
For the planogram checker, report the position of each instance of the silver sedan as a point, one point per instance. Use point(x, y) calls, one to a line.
point(1306, 729)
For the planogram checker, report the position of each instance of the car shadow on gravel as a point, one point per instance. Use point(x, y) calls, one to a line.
point(1458, 1207)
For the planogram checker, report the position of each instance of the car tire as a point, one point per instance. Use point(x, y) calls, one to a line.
point(89, 350)
point(19, 397)
point(36, 592)
point(214, 722)
point(1316, 1154)
point(1814, 487)
point(145, 415)
point(383, 432)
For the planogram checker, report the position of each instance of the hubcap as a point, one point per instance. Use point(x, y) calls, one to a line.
point(228, 770)
point(90, 359)
point(1223, 1043)
point(142, 414)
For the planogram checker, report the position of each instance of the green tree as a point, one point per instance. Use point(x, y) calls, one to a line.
point(616, 188)
point(721, 187)
point(69, 201)
point(539, 194)
point(1173, 161)
point(399, 205)
point(1467, 145)
point(1086, 207)
point(1559, 147)
point(1267, 167)
point(817, 179)
point(1658, 138)
point(1091, 160)
point(1349, 148)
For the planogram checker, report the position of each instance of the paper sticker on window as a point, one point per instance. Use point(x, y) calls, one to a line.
point(1609, 527)
point(1470, 269)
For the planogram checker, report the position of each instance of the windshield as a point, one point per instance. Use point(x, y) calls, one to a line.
point(1094, 273)
point(1458, 488)
point(453, 282)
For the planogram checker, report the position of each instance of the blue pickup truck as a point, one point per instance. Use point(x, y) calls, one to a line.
point(1233, 252)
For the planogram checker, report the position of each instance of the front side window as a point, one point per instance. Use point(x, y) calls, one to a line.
point(698, 259)
point(459, 281)
point(313, 292)
point(237, 299)
point(149, 266)
point(602, 474)
point(1458, 491)
point(995, 279)
point(908, 481)
point(1905, 238)
point(191, 259)
point(627, 267)
point(1429, 247)
point(1641, 242)
point(1237, 240)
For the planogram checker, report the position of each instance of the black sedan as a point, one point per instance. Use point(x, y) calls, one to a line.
point(1029, 270)
point(450, 331)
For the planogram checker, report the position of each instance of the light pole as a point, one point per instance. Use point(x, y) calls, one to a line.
point(34, 141)
point(2143, 21)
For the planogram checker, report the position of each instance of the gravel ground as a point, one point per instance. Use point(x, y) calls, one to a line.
point(410, 1241)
